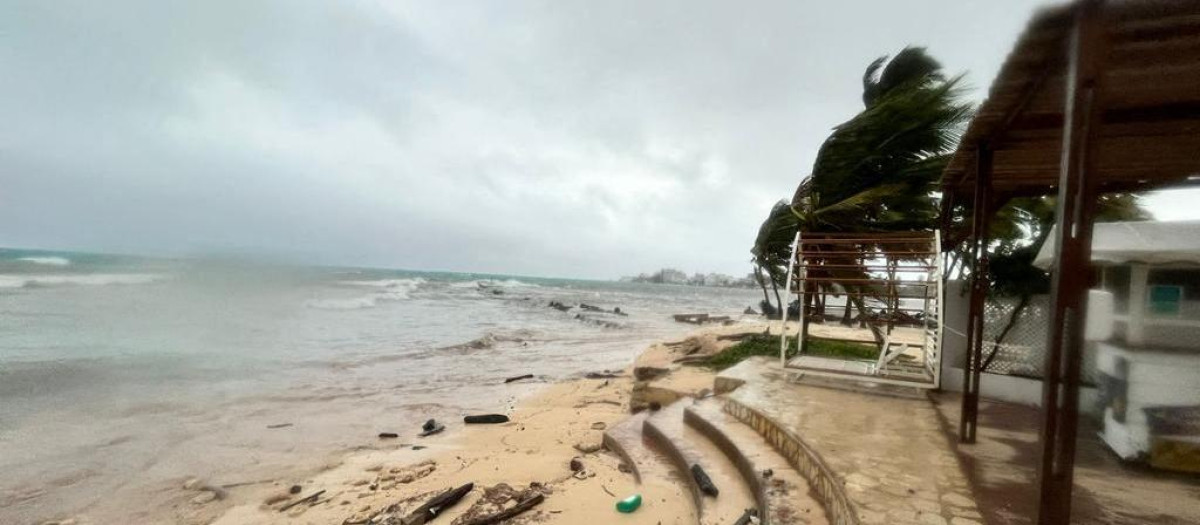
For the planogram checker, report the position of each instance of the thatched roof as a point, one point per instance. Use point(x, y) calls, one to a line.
point(1149, 92)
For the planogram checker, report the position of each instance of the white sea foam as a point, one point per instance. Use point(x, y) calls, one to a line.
point(408, 284)
point(355, 303)
point(389, 290)
point(492, 283)
point(91, 279)
point(48, 261)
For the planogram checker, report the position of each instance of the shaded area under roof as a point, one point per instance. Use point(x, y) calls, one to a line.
point(1149, 92)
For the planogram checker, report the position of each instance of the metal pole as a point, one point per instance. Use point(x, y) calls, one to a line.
point(787, 288)
point(1069, 282)
point(979, 285)
point(939, 263)
point(802, 333)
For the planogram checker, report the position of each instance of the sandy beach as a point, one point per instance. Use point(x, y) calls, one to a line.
point(530, 454)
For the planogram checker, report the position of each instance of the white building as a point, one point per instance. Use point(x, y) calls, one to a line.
point(1149, 369)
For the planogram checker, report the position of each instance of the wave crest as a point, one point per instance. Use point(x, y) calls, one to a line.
point(492, 283)
point(389, 290)
point(94, 279)
point(47, 261)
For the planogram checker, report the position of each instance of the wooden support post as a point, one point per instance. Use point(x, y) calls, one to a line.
point(1070, 279)
point(980, 220)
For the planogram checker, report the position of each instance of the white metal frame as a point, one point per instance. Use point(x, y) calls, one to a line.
point(931, 348)
point(788, 293)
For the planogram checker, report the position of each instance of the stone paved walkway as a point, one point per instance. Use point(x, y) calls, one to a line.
point(891, 456)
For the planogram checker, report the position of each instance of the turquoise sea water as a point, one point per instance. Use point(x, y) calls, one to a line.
point(126, 374)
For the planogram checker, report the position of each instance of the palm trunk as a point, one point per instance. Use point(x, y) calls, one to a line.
point(762, 283)
point(778, 300)
point(875, 332)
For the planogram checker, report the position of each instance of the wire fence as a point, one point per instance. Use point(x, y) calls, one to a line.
point(1023, 349)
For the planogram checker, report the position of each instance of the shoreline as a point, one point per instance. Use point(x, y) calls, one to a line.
point(550, 425)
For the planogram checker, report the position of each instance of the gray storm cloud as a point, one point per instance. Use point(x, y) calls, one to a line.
point(586, 139)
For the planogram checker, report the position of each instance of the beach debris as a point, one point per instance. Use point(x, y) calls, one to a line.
point(279, 425)
point(559, 306)
point(750, 311)
point(576, 464)
point(701, 318)
point(598, 322)
point(598, 402)
point(518, 378)
point(618, 311)
point(204, 497)
point(647, 373)
point(588, 447)
point(414, 472)
point(624, 468)
point(767, 473)
point(388, 435)
point(244, 483)
point(599, 425)
point(307, 499)
point(431, 427)
point(500, 503)
point(208, 492)
point(510, 512)
point(750, 516)
point(629, 504)
point(485, 419)
point(703, 481)
point(419, 447)
point(295, 489)
point(434, 507)
point(602, 375)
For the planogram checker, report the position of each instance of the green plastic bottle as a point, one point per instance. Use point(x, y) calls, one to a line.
point(629, 504)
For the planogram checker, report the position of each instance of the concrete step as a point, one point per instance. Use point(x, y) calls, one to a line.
point(686, 446)
point(784, 496)
point(654, 473)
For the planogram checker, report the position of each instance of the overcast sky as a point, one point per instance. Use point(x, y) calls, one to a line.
point(563, 138)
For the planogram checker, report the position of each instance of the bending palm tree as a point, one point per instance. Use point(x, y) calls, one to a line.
point(878, 171)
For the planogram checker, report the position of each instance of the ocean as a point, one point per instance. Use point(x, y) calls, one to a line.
point(121, 376)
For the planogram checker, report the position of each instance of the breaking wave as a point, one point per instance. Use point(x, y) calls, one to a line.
point(407, 284)
point(47, 261)
point(94, 279)
point(492, 283)
point(389, 290)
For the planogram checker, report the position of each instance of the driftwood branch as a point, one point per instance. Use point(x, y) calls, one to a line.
point(310, 498)
point(434, 507)
point(510, 512)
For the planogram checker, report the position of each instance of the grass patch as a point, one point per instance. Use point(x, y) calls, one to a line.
point(842, 349)
point(768, 345)
point(753, 345)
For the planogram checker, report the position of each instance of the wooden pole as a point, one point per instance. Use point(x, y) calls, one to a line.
point(979, 286)
point(1070, 279)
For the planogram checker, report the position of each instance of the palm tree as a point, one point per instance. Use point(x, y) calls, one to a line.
point(879, 170)
point(772, 248)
